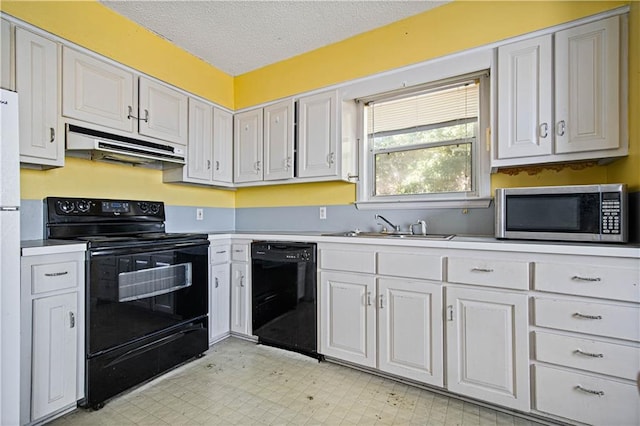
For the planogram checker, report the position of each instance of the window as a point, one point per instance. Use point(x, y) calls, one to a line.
point(424, 143)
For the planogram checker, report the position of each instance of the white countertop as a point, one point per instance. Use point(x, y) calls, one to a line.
point(458, 242)
point(40, 247)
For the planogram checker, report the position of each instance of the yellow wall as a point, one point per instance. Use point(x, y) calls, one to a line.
point(447, 29)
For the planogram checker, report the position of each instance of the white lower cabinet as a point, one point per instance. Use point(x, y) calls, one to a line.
point(219, 291)
point(348, 317)
point(487, 346)
point(52, 335)
point(410, 329)
point(240, 299)
point(54, 353)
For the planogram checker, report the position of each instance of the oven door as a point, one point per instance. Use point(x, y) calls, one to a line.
point(133, 293)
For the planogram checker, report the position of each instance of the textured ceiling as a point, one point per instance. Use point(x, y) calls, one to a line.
point(240, 36)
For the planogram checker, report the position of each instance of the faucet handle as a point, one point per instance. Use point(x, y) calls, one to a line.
point(423, 227)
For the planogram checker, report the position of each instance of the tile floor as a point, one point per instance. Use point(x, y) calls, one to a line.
point(241, 383)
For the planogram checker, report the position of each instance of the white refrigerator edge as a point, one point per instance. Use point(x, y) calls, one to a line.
point(9, 260)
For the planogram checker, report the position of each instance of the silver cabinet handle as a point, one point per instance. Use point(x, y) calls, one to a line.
point(591, 317)
point(481, 270)
point(217, 282)
point(588, 279)
point(368, 298)
point(238, 250)
point(52, 134)
point(561, 128)
point(241, 280)
point(544, 130)
point(590, 354)
point(223, 251)
point(331, 158)
point(381, 302)
point(56, 274)
point(208, 164)
point(256, 166)
point(217, 165)
point(130, 114)
point(450, 312)
point(287, 164)
point(592, 392)
point(72, 320)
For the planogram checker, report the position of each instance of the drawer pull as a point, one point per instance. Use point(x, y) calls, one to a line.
point(221, 252)
point(481, 270)
point(56, 274)
point(592, 392)
point(592, 355)
point(238, 250)
point(587, 279)
point(591, 317)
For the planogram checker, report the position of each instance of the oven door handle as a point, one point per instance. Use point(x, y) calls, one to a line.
point(146, 248)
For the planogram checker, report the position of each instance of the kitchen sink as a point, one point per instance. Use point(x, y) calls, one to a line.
point(390, 235)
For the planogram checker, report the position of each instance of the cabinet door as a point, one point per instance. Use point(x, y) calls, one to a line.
point(247, 146)
point(348, 317)
point(487, 346)
point(222, 146)
point(587, 87)
point(6, 62)
point(318, 135)
point(525, 122)
point(200, 141)
point(54, 352)
point(410, 329)
point(37, 84)
point(278, 140)
point(240, 302)
point(97, 92)
point(219, 310)
point(162, 112)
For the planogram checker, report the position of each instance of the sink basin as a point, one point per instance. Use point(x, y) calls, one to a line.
point(390, 235)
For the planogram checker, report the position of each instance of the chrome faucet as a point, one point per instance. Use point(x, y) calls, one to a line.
point(423, 227)
point(396, 228)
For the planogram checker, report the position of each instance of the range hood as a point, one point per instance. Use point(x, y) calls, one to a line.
point(101, 146)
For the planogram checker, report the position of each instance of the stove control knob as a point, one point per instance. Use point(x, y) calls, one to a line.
point(66, 206)
point(144, 206)
point(155, 208)
point(83, 206)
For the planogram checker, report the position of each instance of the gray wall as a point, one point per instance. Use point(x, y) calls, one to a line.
point(344, 218)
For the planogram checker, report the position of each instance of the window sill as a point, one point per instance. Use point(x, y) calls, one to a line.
point(476, 203)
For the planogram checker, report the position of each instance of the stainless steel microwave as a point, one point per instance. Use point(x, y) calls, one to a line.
point(596, 213)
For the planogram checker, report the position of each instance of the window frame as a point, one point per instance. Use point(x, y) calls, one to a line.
point(480, 194)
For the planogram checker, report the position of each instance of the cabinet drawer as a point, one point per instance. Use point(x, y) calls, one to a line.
point(422, 266)
point(53, 276)
point(220, 253)
point(585, 398)
point(489, 272)
point(240, 252)
point(590, 355)
point(592, 318)
point(348, 260)
point(589, 280)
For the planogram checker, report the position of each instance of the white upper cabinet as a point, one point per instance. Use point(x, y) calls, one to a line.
point(162, 112)
point(199, 149)
point(559, 96)
point(525, 122)
point(37, 84)
point(102, 94)
point(278, 140)
point(318, 135)
point(587, 87)
point(247, 144)
point(6, 59)
point(97, 92)
point(222, 146)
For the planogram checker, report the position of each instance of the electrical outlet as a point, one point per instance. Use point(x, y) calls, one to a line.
point(199, 214)
point(323, 213)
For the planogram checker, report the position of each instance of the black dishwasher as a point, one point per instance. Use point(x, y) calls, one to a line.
point(283, 277)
